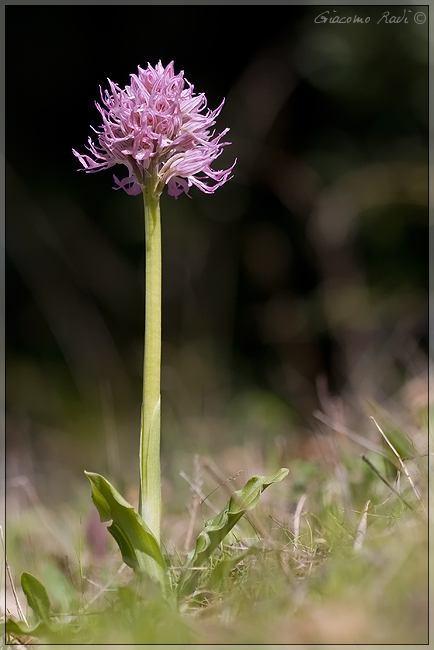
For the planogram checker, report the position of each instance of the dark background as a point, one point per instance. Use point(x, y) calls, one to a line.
point(310, 265)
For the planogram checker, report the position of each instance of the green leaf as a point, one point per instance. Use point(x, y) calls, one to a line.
point(37, 597)
point(51, 633)
point(140, 550)
point(217, 528)
point(19, 628)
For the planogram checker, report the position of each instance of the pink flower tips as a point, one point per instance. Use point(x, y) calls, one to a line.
point(159, 129)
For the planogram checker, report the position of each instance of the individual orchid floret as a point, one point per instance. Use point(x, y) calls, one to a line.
point(157, 127)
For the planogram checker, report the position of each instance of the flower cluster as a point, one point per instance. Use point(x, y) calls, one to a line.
point(158, 127)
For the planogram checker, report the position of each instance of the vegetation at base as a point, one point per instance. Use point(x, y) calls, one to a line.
point(291, 573)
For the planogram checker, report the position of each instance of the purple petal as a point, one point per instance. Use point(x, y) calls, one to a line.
point(158, 118)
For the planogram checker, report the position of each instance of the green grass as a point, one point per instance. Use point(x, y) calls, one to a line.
point(281, 577)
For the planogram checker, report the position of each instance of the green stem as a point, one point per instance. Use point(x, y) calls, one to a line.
point(150, 476)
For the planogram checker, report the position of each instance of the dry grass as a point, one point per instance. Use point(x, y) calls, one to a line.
point(333, 554)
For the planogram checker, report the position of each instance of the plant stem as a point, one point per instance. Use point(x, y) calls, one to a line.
point(150, 476)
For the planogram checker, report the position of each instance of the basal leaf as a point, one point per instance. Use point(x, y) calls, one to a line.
point(217, 528)
point(20, 629)
point(140, 550)
point(37, 597)
point(57, 634)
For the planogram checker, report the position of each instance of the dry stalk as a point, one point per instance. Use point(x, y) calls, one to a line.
point(361, 530)
point(401, 462)
point(11, 580)
point(203, 498)
point(102, 590)
point(386, 482)
point(297, 517)
point(343, 430)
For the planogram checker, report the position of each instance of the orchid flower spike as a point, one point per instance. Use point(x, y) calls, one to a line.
point(158, 128)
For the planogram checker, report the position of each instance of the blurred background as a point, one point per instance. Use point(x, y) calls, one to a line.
point(302, 282)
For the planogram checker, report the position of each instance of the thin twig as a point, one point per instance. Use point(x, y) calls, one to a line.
point(11, 580)
point(297, 516)
point(361, 530)
point(389, 485)
point(287, 532)
point(102, 589)
point(340, 428)
point(203, 498)
point(215, 472)
point(401, 462)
